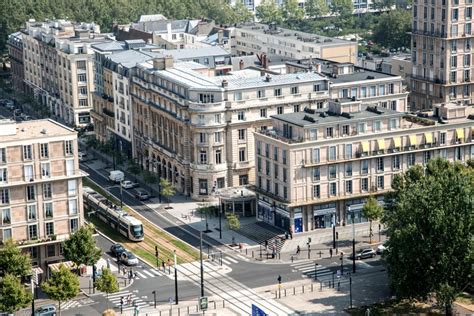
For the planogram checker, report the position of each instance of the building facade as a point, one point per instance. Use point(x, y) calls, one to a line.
point(15, 54)
point(442, 53)
point(40, 187)
point(316, 169)
point(256, 38)
point(196, 129)
point(59, 68)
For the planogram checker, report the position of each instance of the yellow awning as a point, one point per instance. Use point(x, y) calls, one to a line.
point(412, 140)
point(428, 138)
point(397, 142)
point(460, 133)
point(381, 144)
point(365, 146)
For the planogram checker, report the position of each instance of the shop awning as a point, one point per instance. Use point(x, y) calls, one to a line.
point(412, 140)
point(55, 266)
point(397, 142)
point(381, 144)
point(428, 138)
point(365, 146)
point(460, 133)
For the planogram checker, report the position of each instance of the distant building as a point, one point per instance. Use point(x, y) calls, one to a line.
point(40, 187)
point(442, 41)
point(15, 55)
point(315, 169)
point(59, 69)
point(257, 38)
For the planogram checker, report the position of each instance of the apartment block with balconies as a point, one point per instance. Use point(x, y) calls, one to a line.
point(196, 129)
point(442, 53)
point(317, 168)
point(40, 187)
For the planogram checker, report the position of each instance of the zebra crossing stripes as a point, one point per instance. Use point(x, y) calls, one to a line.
point(228, 260)
point(127, 305)
point(307, 268)
point(76, 303)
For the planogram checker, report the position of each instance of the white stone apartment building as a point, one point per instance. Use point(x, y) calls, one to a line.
point(257, 38)
point(196, 129)
point(40, 187)
point(59, 68)
point(316, 168)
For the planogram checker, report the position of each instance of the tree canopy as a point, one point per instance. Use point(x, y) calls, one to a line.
point(430, 225)
point(372, 211)
point(13, 261)
point(392, 30)
point(13, 295)
point(81, 247)
point(62, 286)
point(107, 283)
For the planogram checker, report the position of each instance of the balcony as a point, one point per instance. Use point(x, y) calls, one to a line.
point(38, 178)
point(274, 134)
point(200, 107)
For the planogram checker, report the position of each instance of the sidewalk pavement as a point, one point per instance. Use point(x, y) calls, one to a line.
point(85, 280)
point(183, 209)
point(304, 297)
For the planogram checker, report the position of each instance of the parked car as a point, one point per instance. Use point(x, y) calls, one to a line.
point(46, 310)
point(117, 249)
point(25, 117)
point(381, 249)
point(82, 156)
point(127, 184)
point(128, 258)
point(142, 195)
point(363, 254)
point(116, 176)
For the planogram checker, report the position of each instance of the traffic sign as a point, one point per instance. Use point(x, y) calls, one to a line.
point(203, 303)
point(256, 311)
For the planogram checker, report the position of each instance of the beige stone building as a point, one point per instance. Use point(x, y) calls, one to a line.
point(59, 68)
point(40, 187)
point(442, 53)
point(257, 38)
point(196, 129)
point(316, 168)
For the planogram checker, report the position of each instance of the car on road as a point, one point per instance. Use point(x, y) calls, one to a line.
point(82, 156)
point(25, 117)
point(381, 249)
point(117, 249)
point(128, 258)
point(46, 310)
point(127, 184)
point(363, 254)
point(142, 195)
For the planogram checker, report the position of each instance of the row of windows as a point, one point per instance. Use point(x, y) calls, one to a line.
point(277, 92)
point(31, 192)
point(275, 153)
point(203, 156)
point(32, 212)
point(364, 92)
point(45, 171)
point(349, 187)
point(27, 151)
point(32, 231)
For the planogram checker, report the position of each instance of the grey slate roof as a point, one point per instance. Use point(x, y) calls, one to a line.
point(130, 58)
point(161, 26)
point(189, 53)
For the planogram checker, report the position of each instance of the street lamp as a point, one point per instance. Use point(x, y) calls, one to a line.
point(202, 267)
point(220, 217)
point(154, 298)
point(175, 278)
point(315, 271)
point(353, 242)
point(334, 231)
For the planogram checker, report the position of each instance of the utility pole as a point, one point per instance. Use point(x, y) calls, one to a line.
point(220, 218)
point(315, 271)
point(157, 257)
point(350, 289)
point(334, 232)
point(154, 299)
point(279, 286)
point(121, 195)
point(175, 278)
point(202, 266)
point(353, 244)
point(342, 263)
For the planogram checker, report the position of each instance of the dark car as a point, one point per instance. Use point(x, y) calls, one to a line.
point(363, 254)
point(117, 249)
point(142, 195)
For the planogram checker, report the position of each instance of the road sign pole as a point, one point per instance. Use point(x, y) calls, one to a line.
point(315, 271)
point(202, 266)
point(175, 278)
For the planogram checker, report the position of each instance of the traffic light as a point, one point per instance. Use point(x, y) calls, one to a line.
point(342, 255)
point(156, 251)
point(337, 235)
point(279, 279)
point(309, 240)
point(94, 273)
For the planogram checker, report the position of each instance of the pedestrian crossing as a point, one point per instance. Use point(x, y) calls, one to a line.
point(148, 273)
point(130, 300)
point(76, 303)
point(307, 268)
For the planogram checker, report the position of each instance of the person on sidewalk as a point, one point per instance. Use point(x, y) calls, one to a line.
point(163, 265)
point(290, 231)
point(298, 249)
point(330, 252)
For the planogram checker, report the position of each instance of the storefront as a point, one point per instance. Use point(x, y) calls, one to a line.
point(354, 210)
point(238, 200)
point(298, 220)
point(265, 212)
point(282, 219)
point(324, 215)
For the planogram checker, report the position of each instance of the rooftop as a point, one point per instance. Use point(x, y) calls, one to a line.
point(307, 38)
point(314, 117)
point(130, 58)
point(161, 26)
point(37, 129)
point(123, 45)
point(189, 53)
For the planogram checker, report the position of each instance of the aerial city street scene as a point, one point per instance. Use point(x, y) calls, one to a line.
point(236, 157)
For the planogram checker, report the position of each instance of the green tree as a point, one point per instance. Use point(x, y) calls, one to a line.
point(316, 8)
point(13, 294)
point(81, 247)
point(107, 283)
point(240, 13)
point(62, 286)
point(166, 189)
point(430, 225)
point(13, 261)
point(268, 12)
point(291, 12)
point(342, 8)
point(233, 222)
point(134, 168)
point(207, 210)
point(392, 30)
point(372, 211)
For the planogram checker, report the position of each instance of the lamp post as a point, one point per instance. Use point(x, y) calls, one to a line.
point(175, 278)
point(202, 267)
point(334, 231)
point(315, 271)
point(121, 195)
point(154, 299)
point(353, 243)
point(350, 289)
point(220, 217)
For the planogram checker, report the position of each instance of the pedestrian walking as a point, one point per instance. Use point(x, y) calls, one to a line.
point(129, 299)
point(286, 235)
point(130, 274)
point(290, 231)
point(163, 265)
point(121, 300)
point(266, 244)
point(298, 249)
point(124, 271)
point(135, 275)
point(330, 252)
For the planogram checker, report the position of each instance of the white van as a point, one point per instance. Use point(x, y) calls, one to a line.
point(116, 176)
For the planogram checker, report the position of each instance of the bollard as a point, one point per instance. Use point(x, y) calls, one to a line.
point(285, 292)
point(179, 311)
point(320, 253)
point(279, 256)
point(303, 288)
point(214, 304)
point(223, 303)
point(320, 286)
point(294, 291)
point(311, 287)
point(188, 309)
point(246, 252)
point(292, 259)
point(276, 295)
point(252, 254)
